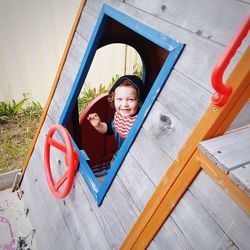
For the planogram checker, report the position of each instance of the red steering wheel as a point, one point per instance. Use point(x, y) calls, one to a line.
point(71, 160)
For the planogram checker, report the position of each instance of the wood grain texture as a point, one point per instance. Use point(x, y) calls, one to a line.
point(243, 118)
point(94, 7)
point(71, 68)
point(229, 151)
point(78, 47)
point(45, 215)
point(170, 139)
point(83, 223)
point(86, 30)
point(170, 237)
point(225, 182)
point(184, 98)
point(60, 97)
point(149, 155)
point(201, 231)
point(109, 223)
point(207, 19)
point(138, 184)
point(227, 214)
point(200, 54)
point(241, 177)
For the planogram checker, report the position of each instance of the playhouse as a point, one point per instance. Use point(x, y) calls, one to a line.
point(181, 179)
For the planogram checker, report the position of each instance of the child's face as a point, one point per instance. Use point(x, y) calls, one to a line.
point(126, 101)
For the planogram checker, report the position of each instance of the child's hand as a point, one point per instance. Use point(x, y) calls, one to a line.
point(94, 119)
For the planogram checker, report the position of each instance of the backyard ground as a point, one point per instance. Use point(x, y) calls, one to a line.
point(16, 134)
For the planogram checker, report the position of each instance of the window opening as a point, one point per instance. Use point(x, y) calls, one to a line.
point(104, 72)
point(158, 52)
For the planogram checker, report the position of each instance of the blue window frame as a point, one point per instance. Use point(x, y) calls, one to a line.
point(174, 49)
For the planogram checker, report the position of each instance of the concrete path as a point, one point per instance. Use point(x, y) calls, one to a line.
point(16, 231)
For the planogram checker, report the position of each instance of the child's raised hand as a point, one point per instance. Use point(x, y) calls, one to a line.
point(94, 119)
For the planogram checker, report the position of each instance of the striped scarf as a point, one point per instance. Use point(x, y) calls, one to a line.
point(123, 124)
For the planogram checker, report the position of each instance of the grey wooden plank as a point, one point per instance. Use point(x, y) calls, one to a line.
point(241, 177)
point(150, 156)
point(7, 179)
point(94, 7)
point(45, 216)
point(86, 25)
point(200, 230)
point(109, 222)
point(170, 237)
point(228, 151)
point(105, 217)
point(71, 67)
point(123, 205)
point(225, 211)
point(50, 207)
point(243, 118)
point(201, 52)
point(33, 209)
point(136, 181)
point(82, 220)
point(190, 15)
point(60, 97)
point(78, 47)
point(184, 98)
point(76, 213)
point(169, 138)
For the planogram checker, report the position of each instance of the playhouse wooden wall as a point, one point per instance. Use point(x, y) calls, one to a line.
point(76, 222)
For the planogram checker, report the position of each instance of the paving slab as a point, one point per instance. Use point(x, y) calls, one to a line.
point(16, 231)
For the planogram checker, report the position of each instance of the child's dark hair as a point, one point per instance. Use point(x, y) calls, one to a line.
point(129, 80)
point(126, 83)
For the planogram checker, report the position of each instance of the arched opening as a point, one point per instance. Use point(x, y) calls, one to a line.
point(110, 62)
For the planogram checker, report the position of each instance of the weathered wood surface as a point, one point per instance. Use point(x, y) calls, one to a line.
point(241, 177)
point(243, 118)
point(76, 222)
point(170, 237)
point(212, 20)
point(7, 179)
point(200, 230)
point(208, 219)
point(200, 54)
point(60, 95)
point(231, 153)
point(78, 47)
point(225, 212)
point(44, 211)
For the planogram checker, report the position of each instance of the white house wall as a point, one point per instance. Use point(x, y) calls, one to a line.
point(33, 37)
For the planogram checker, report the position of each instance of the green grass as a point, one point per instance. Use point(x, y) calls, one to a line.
point(88, 93)
point(16, 133)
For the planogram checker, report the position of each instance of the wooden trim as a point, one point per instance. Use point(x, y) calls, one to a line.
point(225, 182)
point(214, 122)
point(53, 89)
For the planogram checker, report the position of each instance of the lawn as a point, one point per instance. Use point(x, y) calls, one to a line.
point(17, 129)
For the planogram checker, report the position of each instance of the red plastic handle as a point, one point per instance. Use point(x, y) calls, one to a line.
point(222, 92)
